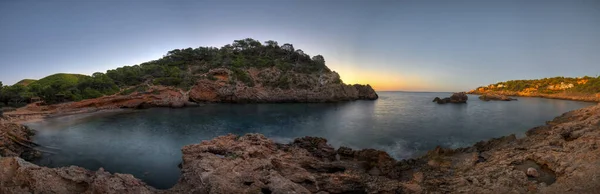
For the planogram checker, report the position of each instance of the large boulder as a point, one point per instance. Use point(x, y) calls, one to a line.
point(460, 97)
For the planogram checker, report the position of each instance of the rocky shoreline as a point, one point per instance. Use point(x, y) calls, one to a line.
point(564, 153)
point(560, 96)
point(495, 97)
point(205, 91)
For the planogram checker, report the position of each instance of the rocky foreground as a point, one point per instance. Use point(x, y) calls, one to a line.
point(560, 157)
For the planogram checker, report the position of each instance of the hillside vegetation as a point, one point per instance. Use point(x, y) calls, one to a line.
point(180, 68)
point(25, 82)
point(584, 85)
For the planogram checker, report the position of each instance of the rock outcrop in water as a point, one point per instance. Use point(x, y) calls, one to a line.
point(564, 153)
point(460, 97)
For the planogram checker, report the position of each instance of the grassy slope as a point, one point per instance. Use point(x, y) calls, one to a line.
point(26, 82)
point(60, 78)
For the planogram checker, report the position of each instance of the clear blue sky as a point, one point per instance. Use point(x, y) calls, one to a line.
point(394, 45)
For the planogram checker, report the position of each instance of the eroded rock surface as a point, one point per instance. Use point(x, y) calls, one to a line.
point(254, 164)
point(274, 85)
point(19, 176)
point(565, 153)
point(14, 140)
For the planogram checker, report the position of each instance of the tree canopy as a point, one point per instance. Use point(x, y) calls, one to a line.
point(180, 68)
point(551, 85)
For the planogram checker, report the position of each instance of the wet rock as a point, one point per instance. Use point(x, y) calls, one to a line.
point(460, 97)
point(15, 141)
point(178, 104)
point(532, 172)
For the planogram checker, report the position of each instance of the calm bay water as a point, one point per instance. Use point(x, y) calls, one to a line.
point(147, 143)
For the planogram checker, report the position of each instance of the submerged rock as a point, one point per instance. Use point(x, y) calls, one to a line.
point(532, 172)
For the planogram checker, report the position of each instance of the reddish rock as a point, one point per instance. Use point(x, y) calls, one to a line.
point(19, 176)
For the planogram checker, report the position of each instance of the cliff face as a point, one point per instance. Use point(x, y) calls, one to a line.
point(560, 157)
point(273, 85)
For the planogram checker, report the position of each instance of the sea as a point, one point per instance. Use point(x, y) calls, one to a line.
point(147, 143)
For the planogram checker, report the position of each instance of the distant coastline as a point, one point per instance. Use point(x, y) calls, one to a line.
point(559, 96)
point(565, 88)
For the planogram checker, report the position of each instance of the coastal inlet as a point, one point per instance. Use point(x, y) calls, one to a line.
point(147, 143)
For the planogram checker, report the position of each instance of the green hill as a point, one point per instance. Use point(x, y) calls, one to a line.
point(72, 87)
point(25, 82)
point(180, 68)
point(60, 79)
point(585, 85)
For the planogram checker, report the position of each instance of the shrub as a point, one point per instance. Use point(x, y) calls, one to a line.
point(243, 76)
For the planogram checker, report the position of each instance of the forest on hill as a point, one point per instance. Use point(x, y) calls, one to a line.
point(179, 68)
point(587, 85)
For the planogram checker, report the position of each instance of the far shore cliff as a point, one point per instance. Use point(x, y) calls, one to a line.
point(562, 95)
point(566, 88)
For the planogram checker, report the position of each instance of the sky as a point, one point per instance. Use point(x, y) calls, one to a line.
point(391, 45)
